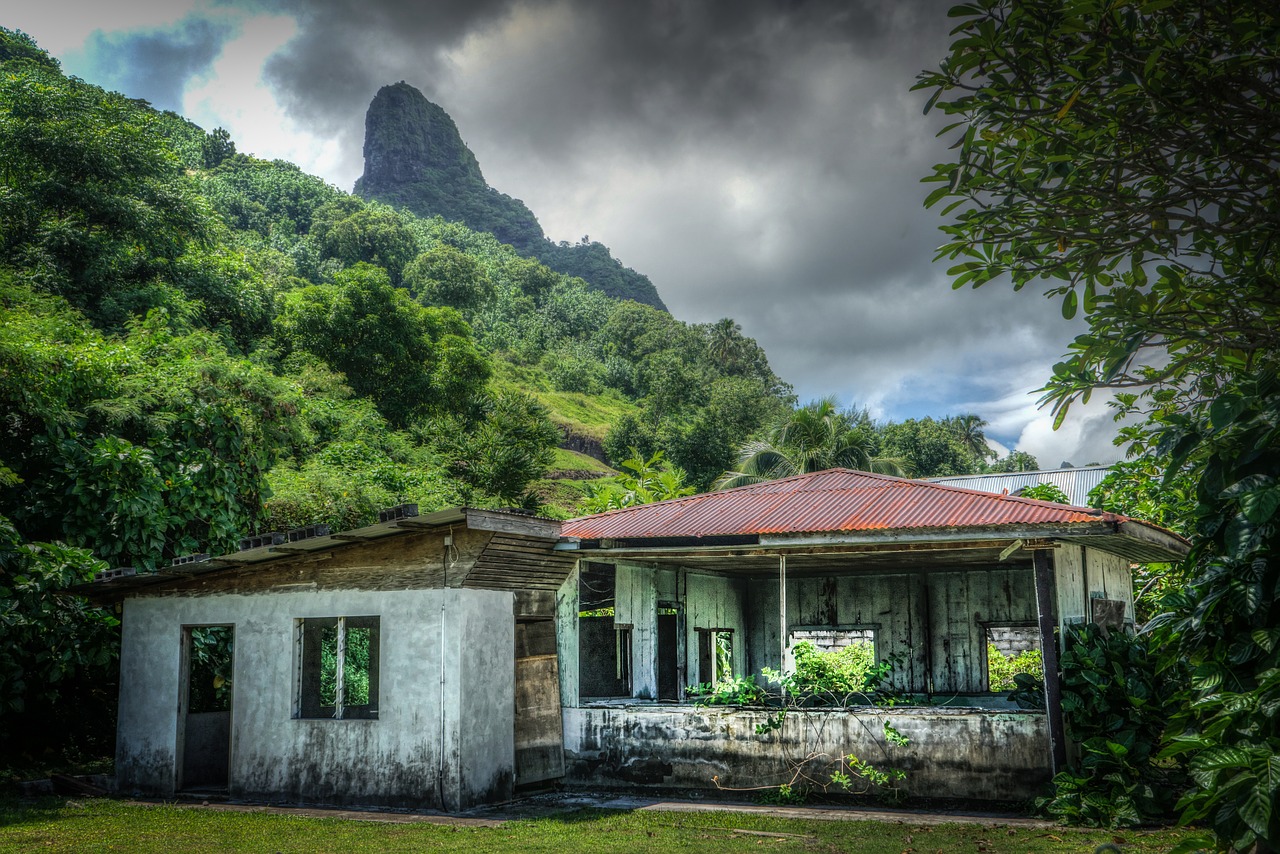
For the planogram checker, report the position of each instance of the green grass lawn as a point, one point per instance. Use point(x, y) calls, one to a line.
point(56, 824)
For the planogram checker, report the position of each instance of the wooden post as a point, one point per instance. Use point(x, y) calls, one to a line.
point(1042, 560)
point(782, 613)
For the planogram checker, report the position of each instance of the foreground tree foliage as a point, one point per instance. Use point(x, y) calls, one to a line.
point(1126, 153)
point(57, 655)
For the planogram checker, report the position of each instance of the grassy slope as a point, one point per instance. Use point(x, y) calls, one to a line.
point(588, 417)
point(104, 825)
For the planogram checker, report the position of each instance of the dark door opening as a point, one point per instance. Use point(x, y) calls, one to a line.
point(668, 654)
point(205, 711)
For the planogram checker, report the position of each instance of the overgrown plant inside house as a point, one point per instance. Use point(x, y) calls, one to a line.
point(849, 677)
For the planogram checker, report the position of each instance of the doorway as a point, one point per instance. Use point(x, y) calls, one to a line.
point(204, 712)
point(670, 655)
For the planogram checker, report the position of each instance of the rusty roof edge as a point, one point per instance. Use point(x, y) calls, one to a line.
point(943, 535)
point(1153, 535)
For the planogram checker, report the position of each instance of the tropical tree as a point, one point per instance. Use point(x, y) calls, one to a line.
point(968, 428)
point(643, 481)
point(94, 205)
point(413, 360)
point(931, 447)
point(448, 276)
point(1018, 461)
point(1125, 153)
point(815, 437)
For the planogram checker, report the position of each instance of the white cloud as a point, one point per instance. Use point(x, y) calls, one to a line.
point(233, 95)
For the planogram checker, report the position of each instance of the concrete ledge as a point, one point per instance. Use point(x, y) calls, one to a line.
point(952, 753)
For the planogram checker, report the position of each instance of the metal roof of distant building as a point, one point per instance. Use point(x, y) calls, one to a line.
point(836, 500)
point(1075, 483)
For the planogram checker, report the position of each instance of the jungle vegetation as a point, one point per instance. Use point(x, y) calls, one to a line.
point(1124, 155)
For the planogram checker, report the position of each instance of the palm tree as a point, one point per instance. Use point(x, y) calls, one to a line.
point(725, 342)
point(968, 429)
point(812, 438)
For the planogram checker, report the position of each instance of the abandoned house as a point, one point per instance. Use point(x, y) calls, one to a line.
point(443, 660)
point(409, 663)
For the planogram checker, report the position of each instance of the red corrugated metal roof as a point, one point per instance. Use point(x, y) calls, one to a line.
point(827, 501)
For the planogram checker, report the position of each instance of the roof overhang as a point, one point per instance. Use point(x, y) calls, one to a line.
point(1135, 541)
point(475, 519)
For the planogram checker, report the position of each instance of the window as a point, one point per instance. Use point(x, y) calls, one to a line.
point(1012, 648)
point(836, 640)
point(604, 645)
point(843, 658)
point(715, 655)
point(339, 673)
point(209, 668)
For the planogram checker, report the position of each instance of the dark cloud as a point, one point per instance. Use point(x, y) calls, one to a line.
point(156, 64)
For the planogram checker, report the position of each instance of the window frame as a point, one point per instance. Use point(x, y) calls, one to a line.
point(1033, 629)
point(874, 628)
point(712, 633)
point(308, 697)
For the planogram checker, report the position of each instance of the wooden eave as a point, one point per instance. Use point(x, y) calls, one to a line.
point(507, 527)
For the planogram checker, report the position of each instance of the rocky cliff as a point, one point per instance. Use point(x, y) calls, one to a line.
point(415, 158)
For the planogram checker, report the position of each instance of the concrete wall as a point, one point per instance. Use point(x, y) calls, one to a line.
point(953, 753)
point(396, 759)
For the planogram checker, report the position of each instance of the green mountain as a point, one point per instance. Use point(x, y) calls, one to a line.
point(416, 159)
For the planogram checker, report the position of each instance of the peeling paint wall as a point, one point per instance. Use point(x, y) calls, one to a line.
point(1082, 574)
point(705, 602)
point(404, 757)
point(951, 754)
point(930, 625)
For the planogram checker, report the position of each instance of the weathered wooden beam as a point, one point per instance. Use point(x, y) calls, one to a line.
point(1045, 594)
point(508, 523)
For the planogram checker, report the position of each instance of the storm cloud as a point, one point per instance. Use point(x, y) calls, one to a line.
point(156, 64)
point(756, 159)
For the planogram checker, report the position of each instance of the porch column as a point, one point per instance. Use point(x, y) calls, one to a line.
point(782, 615)
point(1042, 561)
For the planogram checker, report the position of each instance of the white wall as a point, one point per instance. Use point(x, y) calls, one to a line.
point(395, 759)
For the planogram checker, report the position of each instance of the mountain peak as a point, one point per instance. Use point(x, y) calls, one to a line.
point(406, 137)
point(414, 157)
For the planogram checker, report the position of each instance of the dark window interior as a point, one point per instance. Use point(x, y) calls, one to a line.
point(604, 645)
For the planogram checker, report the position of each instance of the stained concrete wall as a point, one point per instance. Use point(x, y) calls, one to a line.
point(952, 753)
point(410, 755)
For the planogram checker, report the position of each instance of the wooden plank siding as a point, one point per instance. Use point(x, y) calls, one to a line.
point(1085, 573)
point(930, 625)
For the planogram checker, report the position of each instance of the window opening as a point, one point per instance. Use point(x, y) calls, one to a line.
point(839, 659)
point(715, 655)
point(1012, 649)
point(604, 645)
point(668, 652)
point(339, 677)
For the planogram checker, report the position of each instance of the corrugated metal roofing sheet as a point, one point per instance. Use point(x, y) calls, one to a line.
point(1075, 483)
point(829, 501)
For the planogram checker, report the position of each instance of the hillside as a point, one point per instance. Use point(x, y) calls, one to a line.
point(416, 159)
point(198, 345)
